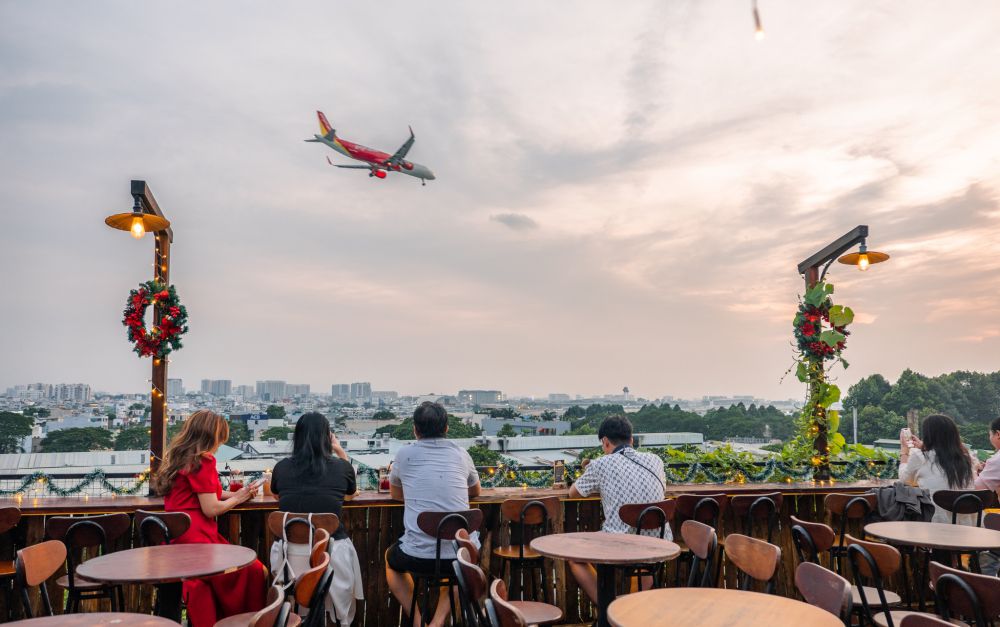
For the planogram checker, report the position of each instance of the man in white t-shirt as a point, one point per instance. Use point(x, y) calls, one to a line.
point(431, 475)
point(623, 476)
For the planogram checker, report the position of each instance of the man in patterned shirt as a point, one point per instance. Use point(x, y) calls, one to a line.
point(622, 476)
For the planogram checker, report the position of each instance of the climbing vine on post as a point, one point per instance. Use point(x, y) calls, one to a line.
point(821, 336)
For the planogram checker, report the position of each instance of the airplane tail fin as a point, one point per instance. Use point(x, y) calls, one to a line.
point(324, 126)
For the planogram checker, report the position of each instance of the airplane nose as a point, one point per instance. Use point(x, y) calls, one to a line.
point(429, 175)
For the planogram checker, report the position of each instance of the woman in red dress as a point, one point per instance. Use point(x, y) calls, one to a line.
point(189, 482)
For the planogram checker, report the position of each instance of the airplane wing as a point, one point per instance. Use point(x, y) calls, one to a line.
point(353, 167)
point(400, 154)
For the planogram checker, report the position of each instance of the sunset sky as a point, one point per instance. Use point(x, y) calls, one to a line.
point(623, 190)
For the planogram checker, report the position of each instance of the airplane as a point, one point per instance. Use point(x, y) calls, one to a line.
point(378, 162)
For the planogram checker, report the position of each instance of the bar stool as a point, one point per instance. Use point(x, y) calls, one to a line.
point(850, 509)
point(442, 527)
point(872, 563)
point(90, 535)
point(704, 508)
point(33, 566)
point(531, 518)
point(966, 502)
point(297, 529)
point(647, 517)
point(756, 508)
point(159, 528)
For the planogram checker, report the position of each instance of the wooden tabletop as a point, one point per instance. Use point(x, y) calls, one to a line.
point(936, 535)
point(119, 619)
point(165, 564)
point(598, 547)
point(713, 607)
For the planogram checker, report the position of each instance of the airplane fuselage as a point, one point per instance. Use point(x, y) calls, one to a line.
point(376, 158)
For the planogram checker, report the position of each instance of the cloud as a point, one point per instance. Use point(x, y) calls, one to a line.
point(515, 221)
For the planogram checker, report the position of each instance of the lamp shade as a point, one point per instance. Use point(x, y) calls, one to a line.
point(150, 223)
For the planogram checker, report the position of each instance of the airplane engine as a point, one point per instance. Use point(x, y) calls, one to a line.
point(407, 165)
point(379, 173)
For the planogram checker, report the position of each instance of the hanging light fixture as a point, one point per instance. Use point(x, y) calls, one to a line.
point(863, 258)
point(758, 32)
point(137, 222)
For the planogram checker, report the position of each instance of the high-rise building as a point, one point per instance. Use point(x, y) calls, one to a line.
point(175, 388)
point(340, 391)
point(76, 392)
point(361, 391)
point(271, 390)
point(559, 398)
point(246, 391)
point(480, 397)
point(385, 395)
point(217, 387)
point(297, 389)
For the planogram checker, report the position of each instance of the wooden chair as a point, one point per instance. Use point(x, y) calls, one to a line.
point(277, 613)
point(754, 509)
point(159, 528)
point(505, 613)
point(91, 535)
point(703, 545)
point(647, 517)
point(33, 566)
point(850, 510)
point(441, 526)
point(9, 517)
point(296, 528)
point(531, 518)
point(923, 620)
point(825, 589)
point(812, 540)
point(966, 502)
point(755, 560)
point(959, 593)
point(473, 592)
point(874, 562)
point(704, 508)
point(464, 541)
point(312, 586)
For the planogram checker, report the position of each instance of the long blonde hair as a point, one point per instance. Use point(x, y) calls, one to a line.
point(202, 433)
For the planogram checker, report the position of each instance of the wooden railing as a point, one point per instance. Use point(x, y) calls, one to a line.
point(375, 522)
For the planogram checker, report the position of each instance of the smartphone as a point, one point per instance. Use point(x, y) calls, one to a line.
point(257, 483)
point(906, 433)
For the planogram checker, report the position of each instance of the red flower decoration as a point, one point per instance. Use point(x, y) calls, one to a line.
point(164, 337)
point(808, 330)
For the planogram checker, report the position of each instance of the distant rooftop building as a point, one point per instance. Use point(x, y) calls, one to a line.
point(480, 397)
point(385, 395)
point(217, 387)
point(492, 426)
point(297, 389)
point(340, 391)
point(271, 390)
point(361, 391)
point(75, 422)
point(175, 388)
point(559, 398)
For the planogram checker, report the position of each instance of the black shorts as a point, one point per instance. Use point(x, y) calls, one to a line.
point(400, 562)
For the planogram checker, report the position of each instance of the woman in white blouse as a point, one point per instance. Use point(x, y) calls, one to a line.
point(937, 461)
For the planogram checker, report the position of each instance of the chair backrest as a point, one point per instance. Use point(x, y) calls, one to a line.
point(530, 511)
point(34, 565)
point(811, 538)
point(321, 541)
point(645, 516)
point(871, 563)
point(443, 525)
point(825, 589)
point(473, 575)
point(158, 528)
point(701, 508)
point(268, 616)
point(848, 507)
point(506, 614)
point(886, 558)
point(101, 529)
point(9, 517)
point(992, 521)
point(703, 542)
point(756, 559)
point(307, 583)
point(464, 541)
point(923, 620)
point(297, 529)
point(753, 508)
point(964, 502)
point(985, 590)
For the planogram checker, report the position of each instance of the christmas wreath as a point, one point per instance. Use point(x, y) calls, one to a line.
point(816, 309)
point(164, 337)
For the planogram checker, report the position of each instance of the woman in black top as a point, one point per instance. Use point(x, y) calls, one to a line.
point(317, 479)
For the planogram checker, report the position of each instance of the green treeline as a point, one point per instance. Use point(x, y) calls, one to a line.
point(736, 421)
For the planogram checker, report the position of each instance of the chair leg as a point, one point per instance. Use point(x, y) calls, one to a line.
point(545, 586)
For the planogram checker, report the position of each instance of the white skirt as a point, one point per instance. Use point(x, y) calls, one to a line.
point(346, 589)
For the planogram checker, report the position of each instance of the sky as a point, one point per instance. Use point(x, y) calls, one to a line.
point(623, 190)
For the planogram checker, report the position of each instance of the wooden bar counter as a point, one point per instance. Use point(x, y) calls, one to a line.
point(374, 522)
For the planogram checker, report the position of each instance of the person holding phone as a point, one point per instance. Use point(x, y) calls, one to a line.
point(189, 482)
point(937, 461)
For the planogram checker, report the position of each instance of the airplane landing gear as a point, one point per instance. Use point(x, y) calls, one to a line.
point(423, 182)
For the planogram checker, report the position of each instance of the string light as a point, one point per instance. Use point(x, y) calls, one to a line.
point(758, 27)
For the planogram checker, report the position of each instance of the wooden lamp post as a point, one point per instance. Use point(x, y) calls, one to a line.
point(810, 269)
point(146, 216)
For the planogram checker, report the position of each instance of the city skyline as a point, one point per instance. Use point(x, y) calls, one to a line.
point(577, 239)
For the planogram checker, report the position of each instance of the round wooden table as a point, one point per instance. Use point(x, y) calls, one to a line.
point(605, 551)
point(936, 535)
point(116, 619)
point(166, 567)
point(714, 607)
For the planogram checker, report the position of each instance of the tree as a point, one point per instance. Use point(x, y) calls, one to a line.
point(506, 431)
point(13, 429)
point(40, 412)
point(548, 414)
point(482, 456)
point(573, 413)
point(868, 391)
point(276, 412)
point(456, 429)
point(133, 439)
point(278, 433)
point(77, 440)
point(384, 414)
point(504, 412)
point(874, 423)
point(238, 433)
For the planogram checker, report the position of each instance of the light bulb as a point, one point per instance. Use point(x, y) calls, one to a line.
point(863, 262)
point(759, 34)
point(758, 27)
point(138, 230)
